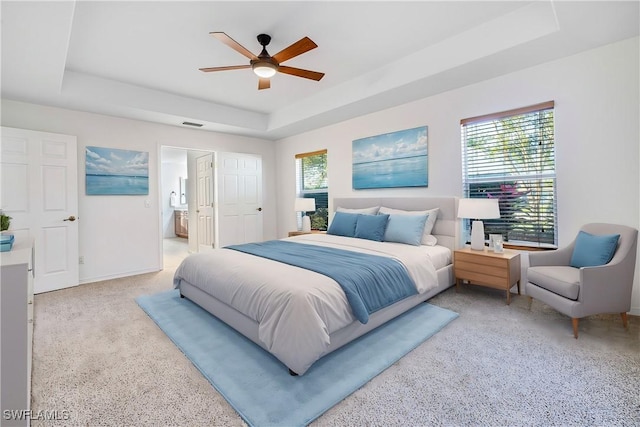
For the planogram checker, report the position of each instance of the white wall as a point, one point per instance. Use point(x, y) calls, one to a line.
point(119, 235)
point(597, 138)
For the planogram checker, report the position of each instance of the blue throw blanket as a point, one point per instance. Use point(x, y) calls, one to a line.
point(371, 282)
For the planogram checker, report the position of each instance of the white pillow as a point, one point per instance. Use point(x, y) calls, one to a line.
point(427, 238)
point(364, 211)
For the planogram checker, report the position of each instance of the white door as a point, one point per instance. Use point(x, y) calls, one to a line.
point(239, 180)
point(204, 202)
point(39, 190)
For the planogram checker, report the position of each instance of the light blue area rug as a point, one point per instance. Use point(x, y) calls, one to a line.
point(258, 386)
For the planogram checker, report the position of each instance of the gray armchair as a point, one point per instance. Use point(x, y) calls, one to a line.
point(580, 292)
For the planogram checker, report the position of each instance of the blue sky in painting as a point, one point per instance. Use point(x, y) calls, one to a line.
point(111, 161)
point(395, 145)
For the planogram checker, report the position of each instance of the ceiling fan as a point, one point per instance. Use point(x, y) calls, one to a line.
point(266, 66)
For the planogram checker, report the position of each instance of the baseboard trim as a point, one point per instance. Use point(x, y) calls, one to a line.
point(117, 276)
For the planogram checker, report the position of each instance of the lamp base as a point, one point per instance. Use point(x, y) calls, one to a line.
point(306, 224)
point(477, 235)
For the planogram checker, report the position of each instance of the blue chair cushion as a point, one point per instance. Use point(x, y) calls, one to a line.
point(592, 250)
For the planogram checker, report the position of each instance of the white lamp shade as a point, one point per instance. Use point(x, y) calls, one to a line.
point(304, 205)
point(478, 208)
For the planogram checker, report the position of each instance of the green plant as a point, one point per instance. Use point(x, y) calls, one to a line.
point(319, 219)
point(5, 221)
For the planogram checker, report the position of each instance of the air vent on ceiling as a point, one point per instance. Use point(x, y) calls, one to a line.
point(198, 125)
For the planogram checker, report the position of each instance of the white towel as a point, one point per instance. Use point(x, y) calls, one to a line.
point(172, 200)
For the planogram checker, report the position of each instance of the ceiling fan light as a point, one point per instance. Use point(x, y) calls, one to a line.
point(264, 70)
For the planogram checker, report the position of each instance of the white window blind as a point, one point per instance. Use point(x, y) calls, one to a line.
point(311, 181)
point(510, 156)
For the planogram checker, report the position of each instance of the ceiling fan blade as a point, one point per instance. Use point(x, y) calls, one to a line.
point(231, 67)
point(298, 48)
point(299, 72)
point(264, 84)
point(233, 44)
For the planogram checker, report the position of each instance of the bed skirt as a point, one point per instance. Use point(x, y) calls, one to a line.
point(249, 328)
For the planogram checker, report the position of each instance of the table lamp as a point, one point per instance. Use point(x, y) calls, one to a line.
point(305, 205)
point(477, 209)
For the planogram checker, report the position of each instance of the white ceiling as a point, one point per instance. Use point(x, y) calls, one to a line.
point(140, 59)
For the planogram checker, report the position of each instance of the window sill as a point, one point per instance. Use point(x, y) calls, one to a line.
point(520, 247)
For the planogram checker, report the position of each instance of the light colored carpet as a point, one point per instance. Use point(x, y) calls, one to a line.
point(259, 386)
point(98, 355)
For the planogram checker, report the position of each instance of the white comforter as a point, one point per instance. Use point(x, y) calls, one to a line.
point(295, 309)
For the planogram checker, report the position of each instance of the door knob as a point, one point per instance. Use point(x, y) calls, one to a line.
point(71, 218)
point(259, 209)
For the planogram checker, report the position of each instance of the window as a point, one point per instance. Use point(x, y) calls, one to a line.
point(311, 181)
point(510, 156)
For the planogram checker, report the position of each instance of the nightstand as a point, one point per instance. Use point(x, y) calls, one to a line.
point(300, 233)
point(488, 268)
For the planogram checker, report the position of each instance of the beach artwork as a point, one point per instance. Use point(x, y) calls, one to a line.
point(110, 171)
point(397, 159)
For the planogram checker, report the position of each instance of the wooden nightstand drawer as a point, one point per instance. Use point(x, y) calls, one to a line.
point(483, 279)
point(485, 268)
point(481, 259)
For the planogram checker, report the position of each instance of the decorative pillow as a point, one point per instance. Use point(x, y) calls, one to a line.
point(591, 250)
point(371, 227)
point(343, 224)
point(365, 211)
point(431, 221)
point(427, 237)
point(406, 229)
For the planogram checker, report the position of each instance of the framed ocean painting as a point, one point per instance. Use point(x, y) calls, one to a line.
point(396, 159)
point(110, 171)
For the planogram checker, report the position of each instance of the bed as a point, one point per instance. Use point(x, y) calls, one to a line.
point(300, 315)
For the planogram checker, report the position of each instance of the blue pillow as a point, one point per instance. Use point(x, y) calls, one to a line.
point(371, 227)
point(343, 224)
point(405, 229)
point(591, 250)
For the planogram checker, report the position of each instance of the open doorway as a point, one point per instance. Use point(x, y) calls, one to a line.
point(223, 195)
point(178, 206)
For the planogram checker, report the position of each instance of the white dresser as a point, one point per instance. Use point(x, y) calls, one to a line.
point(16, 328)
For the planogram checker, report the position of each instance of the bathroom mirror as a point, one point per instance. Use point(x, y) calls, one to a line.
point(183, 191)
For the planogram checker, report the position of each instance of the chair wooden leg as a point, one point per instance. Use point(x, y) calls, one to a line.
point(574, 322)
point(530, 302)
point(624, 320)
